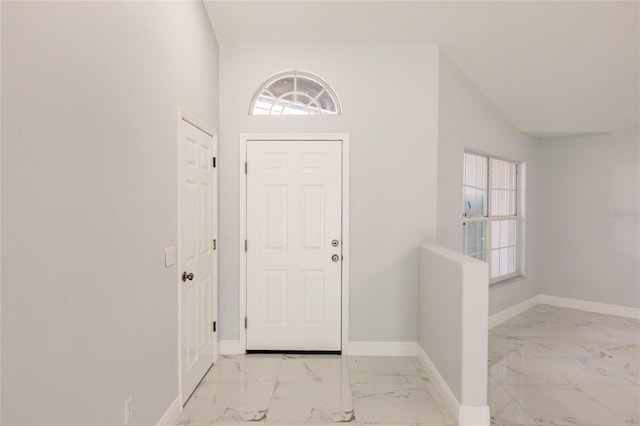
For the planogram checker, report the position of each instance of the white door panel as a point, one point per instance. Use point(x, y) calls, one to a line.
point(198, 222)
point(294, 208)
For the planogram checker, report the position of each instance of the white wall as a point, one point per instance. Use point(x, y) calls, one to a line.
point(389, 98)
point(468, 121)
point(590, 218)
point(90, 97)
point(453, 293)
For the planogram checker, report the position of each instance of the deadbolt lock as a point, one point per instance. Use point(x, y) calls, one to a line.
point(335, 257)
point(335, 243)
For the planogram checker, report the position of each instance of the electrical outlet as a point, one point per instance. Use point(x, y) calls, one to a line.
point(169, 256)
point(128, 410)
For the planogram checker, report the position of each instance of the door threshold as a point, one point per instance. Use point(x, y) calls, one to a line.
point(258, 351)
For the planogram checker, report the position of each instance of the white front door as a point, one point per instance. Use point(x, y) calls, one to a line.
point(197, 255)
point(294, 247)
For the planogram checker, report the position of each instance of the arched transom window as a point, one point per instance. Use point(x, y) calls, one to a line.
point(295, 93)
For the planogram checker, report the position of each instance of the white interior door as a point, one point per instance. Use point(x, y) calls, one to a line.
point(197, 255)
point(294, 213)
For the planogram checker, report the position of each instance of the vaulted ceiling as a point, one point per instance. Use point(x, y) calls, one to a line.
point(551, 67)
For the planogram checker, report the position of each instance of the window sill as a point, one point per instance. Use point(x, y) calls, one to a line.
point(507, 281)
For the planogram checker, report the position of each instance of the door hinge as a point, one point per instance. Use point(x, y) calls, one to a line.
point(246, 245)
point(213, 326)
point(214, 244)
point(213, 162)
point(245, 322)
point(246, 168)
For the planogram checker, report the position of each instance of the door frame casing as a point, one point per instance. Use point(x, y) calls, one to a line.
point(186, 116)
point(302, 137)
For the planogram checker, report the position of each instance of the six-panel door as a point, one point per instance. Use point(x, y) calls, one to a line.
point(198, 219)
point(294, 212)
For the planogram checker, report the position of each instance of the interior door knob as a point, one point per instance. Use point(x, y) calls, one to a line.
point(186, 276)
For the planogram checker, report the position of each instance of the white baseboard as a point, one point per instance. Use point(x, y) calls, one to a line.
point(466, 415)
point(381, 349)
point(170, 417)
point(474, 416)
point(585, 305)
point(563, 302)
point(513, 311)
point(231, 347)
point(449, 398)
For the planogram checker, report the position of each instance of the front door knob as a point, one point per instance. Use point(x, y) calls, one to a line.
point(335, 257)
point(186, 276)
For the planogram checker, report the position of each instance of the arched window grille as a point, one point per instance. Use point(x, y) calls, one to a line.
point(295, 93)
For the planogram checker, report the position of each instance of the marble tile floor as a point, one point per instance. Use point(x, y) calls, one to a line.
point(547, 367)
point(554, 367)
point(292, 390)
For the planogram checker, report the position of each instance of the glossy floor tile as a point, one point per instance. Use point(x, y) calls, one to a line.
point(554, 367)
point(395, 403)
point(547, 367)
point(313, 370)
point(290, 390)
point(229, 402)
point(312, 402)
